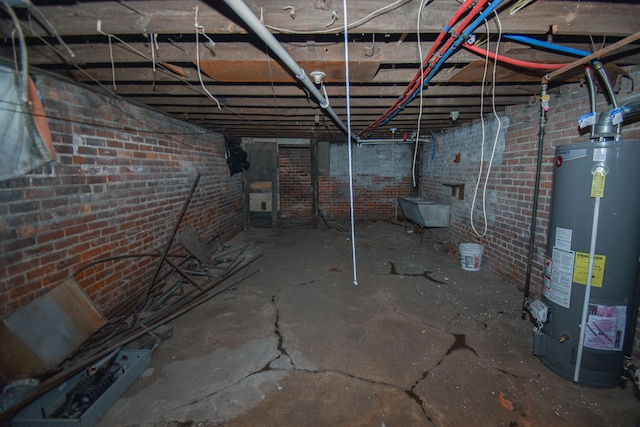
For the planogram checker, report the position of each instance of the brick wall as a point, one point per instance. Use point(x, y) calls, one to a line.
point(116, 188)
point(294, 165)
point(510, 187)
point(381, 173)
point(508, 197)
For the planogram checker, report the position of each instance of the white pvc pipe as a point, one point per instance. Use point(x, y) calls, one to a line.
point(252, 21)
point(587, 292)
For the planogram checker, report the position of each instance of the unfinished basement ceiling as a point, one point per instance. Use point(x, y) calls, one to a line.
point(146, 52)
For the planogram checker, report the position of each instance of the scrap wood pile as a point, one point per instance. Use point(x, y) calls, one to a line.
point(180, 283)
point(186, 283)
point(183, 283)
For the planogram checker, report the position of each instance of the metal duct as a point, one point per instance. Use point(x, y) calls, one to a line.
point(605, 128)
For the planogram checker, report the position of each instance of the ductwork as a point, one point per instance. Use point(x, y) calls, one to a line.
point(605, 128)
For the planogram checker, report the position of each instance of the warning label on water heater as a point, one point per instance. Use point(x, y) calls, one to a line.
point(558, 272)
point(581, 269)
point(605, 327)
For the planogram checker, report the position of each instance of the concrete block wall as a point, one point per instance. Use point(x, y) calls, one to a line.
point(381, 173)
point(120, 179)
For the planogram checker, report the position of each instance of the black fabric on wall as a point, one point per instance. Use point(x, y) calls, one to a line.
point(236, 156)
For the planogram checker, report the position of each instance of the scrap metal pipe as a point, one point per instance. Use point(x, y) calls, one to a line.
point(252, 21)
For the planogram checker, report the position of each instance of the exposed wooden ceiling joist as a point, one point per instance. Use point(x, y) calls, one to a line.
point(258, 97)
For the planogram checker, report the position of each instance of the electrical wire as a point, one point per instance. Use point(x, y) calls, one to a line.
point(436, 146)
point(161, 68)
point(200, 30)
point(495, 141)
point(461, 34)
point(417, 144)
point(459, 38)
point(388, 8)
point(349, 144)
point(483, 139)
point(427, 62)
point(273, 88)
point(23, 73)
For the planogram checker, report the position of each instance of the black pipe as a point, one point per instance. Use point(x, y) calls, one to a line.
point(534, 211)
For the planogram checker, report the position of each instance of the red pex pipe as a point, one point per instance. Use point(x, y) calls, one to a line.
point(414, 84)
point(516, 62)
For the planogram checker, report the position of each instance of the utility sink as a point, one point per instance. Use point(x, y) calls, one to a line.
point(426, 213)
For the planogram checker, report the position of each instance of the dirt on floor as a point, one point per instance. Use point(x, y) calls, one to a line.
point(417, 342)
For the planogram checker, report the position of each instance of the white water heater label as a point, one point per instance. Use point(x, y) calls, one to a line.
point(605, 327)
point(558, 277)
point(599, 154)
point(563, 238)
point(576, 153)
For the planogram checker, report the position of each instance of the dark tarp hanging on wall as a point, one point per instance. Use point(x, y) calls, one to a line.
point(25, 140)
point(236, 156)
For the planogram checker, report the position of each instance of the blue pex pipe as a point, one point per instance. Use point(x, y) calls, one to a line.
point(546, 45)
point(465, 34)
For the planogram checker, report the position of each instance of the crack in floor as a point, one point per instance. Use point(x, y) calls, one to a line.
point(426, 274)
point(458, 344)
point(283, 351)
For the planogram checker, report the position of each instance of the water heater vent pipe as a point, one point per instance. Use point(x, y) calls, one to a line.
point(605, 128)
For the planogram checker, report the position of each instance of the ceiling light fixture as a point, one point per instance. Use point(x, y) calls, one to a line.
point(318, 76)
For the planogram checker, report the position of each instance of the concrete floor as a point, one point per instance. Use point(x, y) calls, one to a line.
point(299, 345)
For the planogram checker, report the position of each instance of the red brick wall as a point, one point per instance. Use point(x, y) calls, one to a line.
point(117, 186)
point(295, 183)
point(510, 188)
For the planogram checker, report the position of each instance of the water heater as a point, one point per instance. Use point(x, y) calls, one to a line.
point(583, 172)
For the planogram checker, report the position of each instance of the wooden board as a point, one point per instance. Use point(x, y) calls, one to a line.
point(190, 239)
point(47, 330)
point(271, 71)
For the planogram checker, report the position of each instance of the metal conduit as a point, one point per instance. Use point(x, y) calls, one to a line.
point(252, 21)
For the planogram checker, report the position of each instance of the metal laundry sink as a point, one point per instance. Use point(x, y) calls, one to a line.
point(426, 213)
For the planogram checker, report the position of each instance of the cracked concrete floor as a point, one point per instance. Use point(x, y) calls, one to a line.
point(419, 342)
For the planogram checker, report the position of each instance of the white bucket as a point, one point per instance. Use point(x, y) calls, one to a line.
point(471, 256)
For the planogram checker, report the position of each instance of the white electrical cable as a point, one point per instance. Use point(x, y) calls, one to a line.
point(415, 149)
point(349, 144)
point(153, 51)
point(23, 74)
point(113, 65)
point(359, 22)
point(497, 135)
point(200, 30)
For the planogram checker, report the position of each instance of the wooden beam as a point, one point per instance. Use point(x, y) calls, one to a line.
point(252, 71)
point(177, 17)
